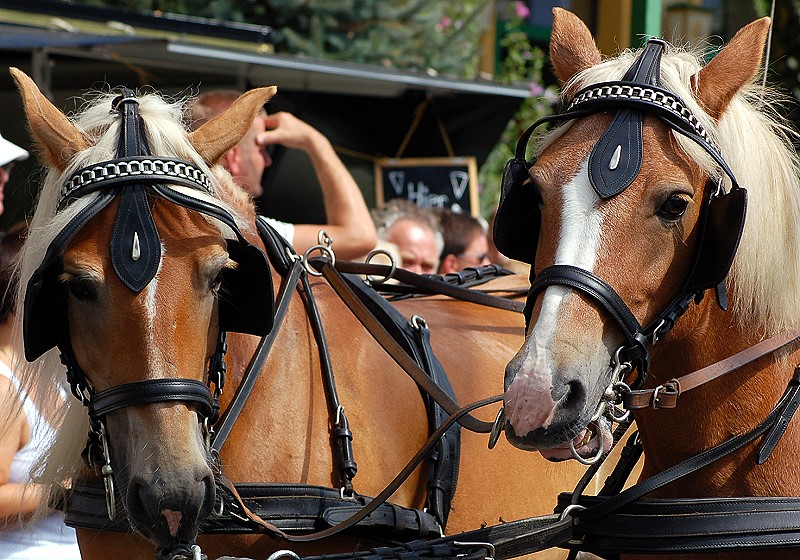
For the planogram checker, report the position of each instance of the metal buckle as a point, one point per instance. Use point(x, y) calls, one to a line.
point(418, 322)
point(671, 385)
point(567, 512)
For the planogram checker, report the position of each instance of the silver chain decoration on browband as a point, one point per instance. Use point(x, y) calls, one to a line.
point(134, 168)
point(656, 96)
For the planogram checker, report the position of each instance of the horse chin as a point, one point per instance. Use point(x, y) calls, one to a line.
point(587, 443)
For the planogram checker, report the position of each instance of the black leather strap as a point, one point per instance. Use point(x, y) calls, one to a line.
point(224, 427)
point(599, 290)
point(697, 462)
point(683, 526)
point(152, 391)
point(293, 508)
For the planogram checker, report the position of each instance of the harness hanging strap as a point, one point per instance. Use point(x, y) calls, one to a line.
point(397, 353)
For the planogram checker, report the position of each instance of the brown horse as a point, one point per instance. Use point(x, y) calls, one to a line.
point(611, 253)
point(127, 328)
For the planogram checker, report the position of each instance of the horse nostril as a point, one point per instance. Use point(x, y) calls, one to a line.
point(574, 396)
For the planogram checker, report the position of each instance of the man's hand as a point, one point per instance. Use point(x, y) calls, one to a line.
point(287, 130)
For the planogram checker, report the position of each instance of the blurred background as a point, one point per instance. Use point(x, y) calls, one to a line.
point(383, 79)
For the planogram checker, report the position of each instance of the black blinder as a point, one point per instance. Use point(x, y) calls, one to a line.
point(45, 318)
point(518, 218)
point(245, 296)
point(718, 238)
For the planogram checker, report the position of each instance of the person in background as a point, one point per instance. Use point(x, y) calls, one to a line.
point(25, 432)
point(465, 242)
point(9, 153)
point(349, 224)
point(415, 233)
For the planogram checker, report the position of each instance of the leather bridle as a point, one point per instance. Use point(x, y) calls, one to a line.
point(135, 250)
point(722, 216)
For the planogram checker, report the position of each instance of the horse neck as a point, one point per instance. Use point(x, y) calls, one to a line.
point(713, 412)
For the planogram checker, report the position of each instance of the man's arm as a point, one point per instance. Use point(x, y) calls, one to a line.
point(349, 222)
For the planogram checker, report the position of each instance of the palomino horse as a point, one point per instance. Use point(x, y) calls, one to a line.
point(631, 218)
point(133, 280)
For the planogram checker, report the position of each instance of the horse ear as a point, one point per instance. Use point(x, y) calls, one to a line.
point(57, 138)
point(224, 131)
point(735, 66)
point(572, 47)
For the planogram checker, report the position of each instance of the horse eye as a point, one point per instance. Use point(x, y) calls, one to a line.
point(83, 288)
point(216, 282)
point(672, 209)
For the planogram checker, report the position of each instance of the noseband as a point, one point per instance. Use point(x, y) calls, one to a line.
point(614, 163)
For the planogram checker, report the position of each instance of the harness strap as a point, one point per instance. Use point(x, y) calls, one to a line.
point(703, 459)
point(152, 391)
point(398, 480)
point(692, 526)
point(393, 348)
point(666, 395)
point(431, 284)
point(236, 406)
point(344, 459)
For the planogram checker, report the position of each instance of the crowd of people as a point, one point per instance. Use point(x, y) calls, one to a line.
point(425, 241)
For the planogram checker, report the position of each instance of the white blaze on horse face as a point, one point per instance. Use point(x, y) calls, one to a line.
point(529, 398)
point(150, 308)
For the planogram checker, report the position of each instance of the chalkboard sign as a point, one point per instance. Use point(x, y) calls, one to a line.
point(429, 182)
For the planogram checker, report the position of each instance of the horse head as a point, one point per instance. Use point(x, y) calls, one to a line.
point(137, 263)
point(629, 214)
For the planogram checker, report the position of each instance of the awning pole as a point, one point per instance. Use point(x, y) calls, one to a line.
point(42, 71)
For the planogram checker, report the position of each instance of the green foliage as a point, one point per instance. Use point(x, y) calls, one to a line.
point(432, 36)
point(522, 63)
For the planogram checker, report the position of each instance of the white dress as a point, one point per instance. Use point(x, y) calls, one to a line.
point(46, 538)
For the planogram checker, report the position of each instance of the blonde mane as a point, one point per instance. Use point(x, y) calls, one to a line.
point(757, 145)
point(166, 137)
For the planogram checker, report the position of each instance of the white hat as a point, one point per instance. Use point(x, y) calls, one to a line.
point(10, 152)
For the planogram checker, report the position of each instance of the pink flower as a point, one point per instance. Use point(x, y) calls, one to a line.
point(536, 89)
point(445, 22)
point(522, 9)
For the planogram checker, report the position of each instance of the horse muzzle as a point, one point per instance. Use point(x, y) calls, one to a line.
point(168, 509)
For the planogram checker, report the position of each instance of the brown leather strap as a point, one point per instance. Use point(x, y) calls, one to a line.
point(396, 351)
point(429, 285)
point(242, 512)
point(666, 395)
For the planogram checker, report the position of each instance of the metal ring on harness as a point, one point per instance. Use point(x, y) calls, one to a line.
point(580, 458)
point(278, 554)
point(392, 263)
point(497, 427)
point(325, 250)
